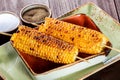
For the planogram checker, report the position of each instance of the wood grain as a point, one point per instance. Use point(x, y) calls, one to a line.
point(106, 5)
point(16, 5)
point(60, 7)
point(117, 5)
point(2, 5)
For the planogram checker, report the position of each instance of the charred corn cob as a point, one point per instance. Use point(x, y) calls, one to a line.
point(88, 41)
point(44, 46)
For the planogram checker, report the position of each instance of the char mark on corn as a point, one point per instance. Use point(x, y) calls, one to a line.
point(47, 47)
point(88, 41)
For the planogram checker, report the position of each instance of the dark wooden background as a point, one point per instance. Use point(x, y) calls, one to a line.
point(60, 7)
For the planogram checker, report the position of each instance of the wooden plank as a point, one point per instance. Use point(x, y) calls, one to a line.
point(16, 5)
point(107, 5)
point(60, 7)
point(2, 5)
point(117, 4)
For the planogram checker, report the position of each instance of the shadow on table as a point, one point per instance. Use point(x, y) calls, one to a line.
point(109, 73)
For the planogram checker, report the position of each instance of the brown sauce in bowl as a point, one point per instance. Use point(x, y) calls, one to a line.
point(35, 15)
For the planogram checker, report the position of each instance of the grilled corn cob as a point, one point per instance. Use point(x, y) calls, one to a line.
point(88, 41)
point(44, 46)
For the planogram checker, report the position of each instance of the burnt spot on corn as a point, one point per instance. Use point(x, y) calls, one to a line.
point(63, 47)
point(27, 32)
point(93, 35)
point(60, 29)
point(17, 31)
point(61, 35)
point(22, 29)
point(44, 41)
point(36, 37)
point(38, 45)
point(72, 38)
point(56, 22)
point(46, 30)
point(73, 28)
point(32, 49)
point(57, 56)
point(12, 41)
point(49, 27)
point(42, 36)
point(79, 35)
point(66, 31)
point(80, 29)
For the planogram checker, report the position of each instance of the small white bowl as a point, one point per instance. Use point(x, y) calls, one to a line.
point(33, 6)
point(9, 21)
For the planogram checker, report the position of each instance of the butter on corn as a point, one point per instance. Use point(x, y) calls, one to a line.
point(88, 41)
point(44, 46)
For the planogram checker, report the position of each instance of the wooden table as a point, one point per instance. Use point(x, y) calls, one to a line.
point(60, 7)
